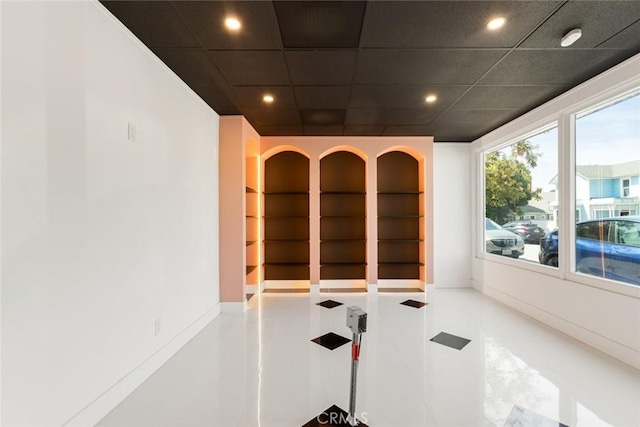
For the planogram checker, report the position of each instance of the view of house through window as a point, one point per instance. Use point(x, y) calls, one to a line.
point(520, 199)
point(608, 191)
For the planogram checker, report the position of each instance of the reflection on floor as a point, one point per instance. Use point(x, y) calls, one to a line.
point(260, 368)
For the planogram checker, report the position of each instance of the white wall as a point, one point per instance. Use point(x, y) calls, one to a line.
point(101, 236)
point(451, 207)
point(605, 315)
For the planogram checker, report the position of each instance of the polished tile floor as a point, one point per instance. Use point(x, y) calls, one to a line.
point(261, 368)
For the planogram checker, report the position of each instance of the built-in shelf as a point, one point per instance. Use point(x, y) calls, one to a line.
point(343, 244)
point(399, 217)
point(250, 190)
point(286, 217)
point(251, 268)
point(251, 242)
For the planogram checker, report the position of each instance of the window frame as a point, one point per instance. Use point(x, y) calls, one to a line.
point(562, 112)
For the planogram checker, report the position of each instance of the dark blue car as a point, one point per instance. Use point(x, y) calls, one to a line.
point(608, 247)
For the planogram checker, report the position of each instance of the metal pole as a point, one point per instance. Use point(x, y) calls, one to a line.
point(355, 354)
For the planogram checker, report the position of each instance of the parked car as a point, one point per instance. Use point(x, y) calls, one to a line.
point(548, 254)
point(608, 247)
point(529, 231)
point(502, 242)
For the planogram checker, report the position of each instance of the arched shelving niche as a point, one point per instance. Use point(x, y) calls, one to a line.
point(401, 227)
point(343, 238)
point(286, 218)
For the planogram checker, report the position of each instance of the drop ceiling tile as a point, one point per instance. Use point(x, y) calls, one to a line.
point(403, 96)
point(322, 117)
point(192, 65)
point(628, 38)
point(357, 130)
point(599, 21)
point(540, 67)
point(322, 96)
point(278, 130)
point(321, 67)
point(397, 116)
point(443, 67)
point(465, 117)
point(251, 96)
point(206, 18)
point(266, 116)
point(521, 98)
point(428, 24)
point(407, 131)
point(216, 99)
point(156, 23)
point(252, 68)
point(326, 24)
point(323, 130)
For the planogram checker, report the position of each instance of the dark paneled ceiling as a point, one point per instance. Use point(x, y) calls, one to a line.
point(365, 67)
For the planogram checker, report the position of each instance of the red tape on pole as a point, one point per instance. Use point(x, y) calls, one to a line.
point(355, 351)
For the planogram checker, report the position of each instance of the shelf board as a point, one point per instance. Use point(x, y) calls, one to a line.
point(343, 216)
point(343, 240)
point(285, 240)
point(251, 268)
point(342, 192)
point(266, 193)
point(285, 264)
point(400, 240)
point(250, 190)
point(401, 192)
point(401, 263)
point(333, 264)
point(251, 216)
point(285, 216)
point(400, 216)
point(251, 242)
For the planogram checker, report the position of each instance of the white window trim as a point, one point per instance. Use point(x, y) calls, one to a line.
point(620, 81)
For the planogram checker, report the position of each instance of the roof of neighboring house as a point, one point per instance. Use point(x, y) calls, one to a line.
point(609, 171)
point(631, 168)
point(528, 209)
point(541, 205)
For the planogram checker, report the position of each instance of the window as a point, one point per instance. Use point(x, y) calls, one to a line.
point(520, 176)
point(625, 187)
point(606, 187)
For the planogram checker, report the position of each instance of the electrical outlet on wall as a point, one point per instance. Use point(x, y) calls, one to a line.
point(158, 326)
point(131, 131)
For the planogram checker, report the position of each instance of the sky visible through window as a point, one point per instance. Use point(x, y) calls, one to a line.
point(604, 137)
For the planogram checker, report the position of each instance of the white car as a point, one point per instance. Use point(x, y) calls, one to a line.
point(502, 242)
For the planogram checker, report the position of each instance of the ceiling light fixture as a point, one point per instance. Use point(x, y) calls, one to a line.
point(268, 99)
point(431, 99)
point(232, 23)
point(571, 37)
point(496, 23)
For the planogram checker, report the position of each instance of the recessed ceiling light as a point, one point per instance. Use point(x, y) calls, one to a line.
point(431, 98)
point(571, 37)
point(496, 23)
point(232, 23)
point(268, 99)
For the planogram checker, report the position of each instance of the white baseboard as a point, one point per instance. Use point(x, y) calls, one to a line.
point(112, 397)
point(372, 289)
point(343, 284)
point(255, 289)
point(233, 307)
point(314, 289)
point(603, 344)
point(401, 283)
point(286, 284)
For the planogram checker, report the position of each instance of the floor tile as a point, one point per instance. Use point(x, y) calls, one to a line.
point(329, 304)
point(332, 417)
point(331, 340)
point(413, 303)
point(449, 340)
